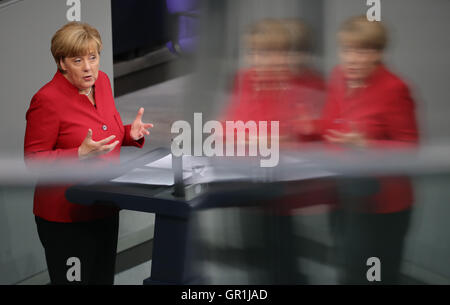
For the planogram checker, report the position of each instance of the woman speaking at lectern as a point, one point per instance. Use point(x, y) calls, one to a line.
point(74, 117)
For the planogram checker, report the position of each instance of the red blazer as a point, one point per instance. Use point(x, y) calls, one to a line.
point(384, 111)
point(58, 120)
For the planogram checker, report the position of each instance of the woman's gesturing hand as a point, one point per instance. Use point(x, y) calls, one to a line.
point(90, 148)
point(352, 138)
point(138, 128)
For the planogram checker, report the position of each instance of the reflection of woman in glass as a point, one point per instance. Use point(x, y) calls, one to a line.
point(280, 85)
point(368, 106)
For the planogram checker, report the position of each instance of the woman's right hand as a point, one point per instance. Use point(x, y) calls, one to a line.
point(90, 148)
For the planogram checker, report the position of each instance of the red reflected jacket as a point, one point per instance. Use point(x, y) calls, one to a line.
point(385, 113)
point(285, 97)
point(58, 120)
point(295, 101)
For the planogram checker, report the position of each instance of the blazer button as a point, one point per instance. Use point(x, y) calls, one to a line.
point(105, 127)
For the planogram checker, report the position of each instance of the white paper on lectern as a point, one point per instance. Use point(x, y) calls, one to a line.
point(165, 162)
point(303, 170)
point(152, 176)
point(188, 162)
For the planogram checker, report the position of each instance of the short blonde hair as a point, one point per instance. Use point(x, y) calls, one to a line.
point(268, 34)
point(74, 39)
point(362, 33)
point(300, 34)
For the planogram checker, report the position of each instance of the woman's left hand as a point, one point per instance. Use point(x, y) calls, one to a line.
point(138, 128)
point(352, 138)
